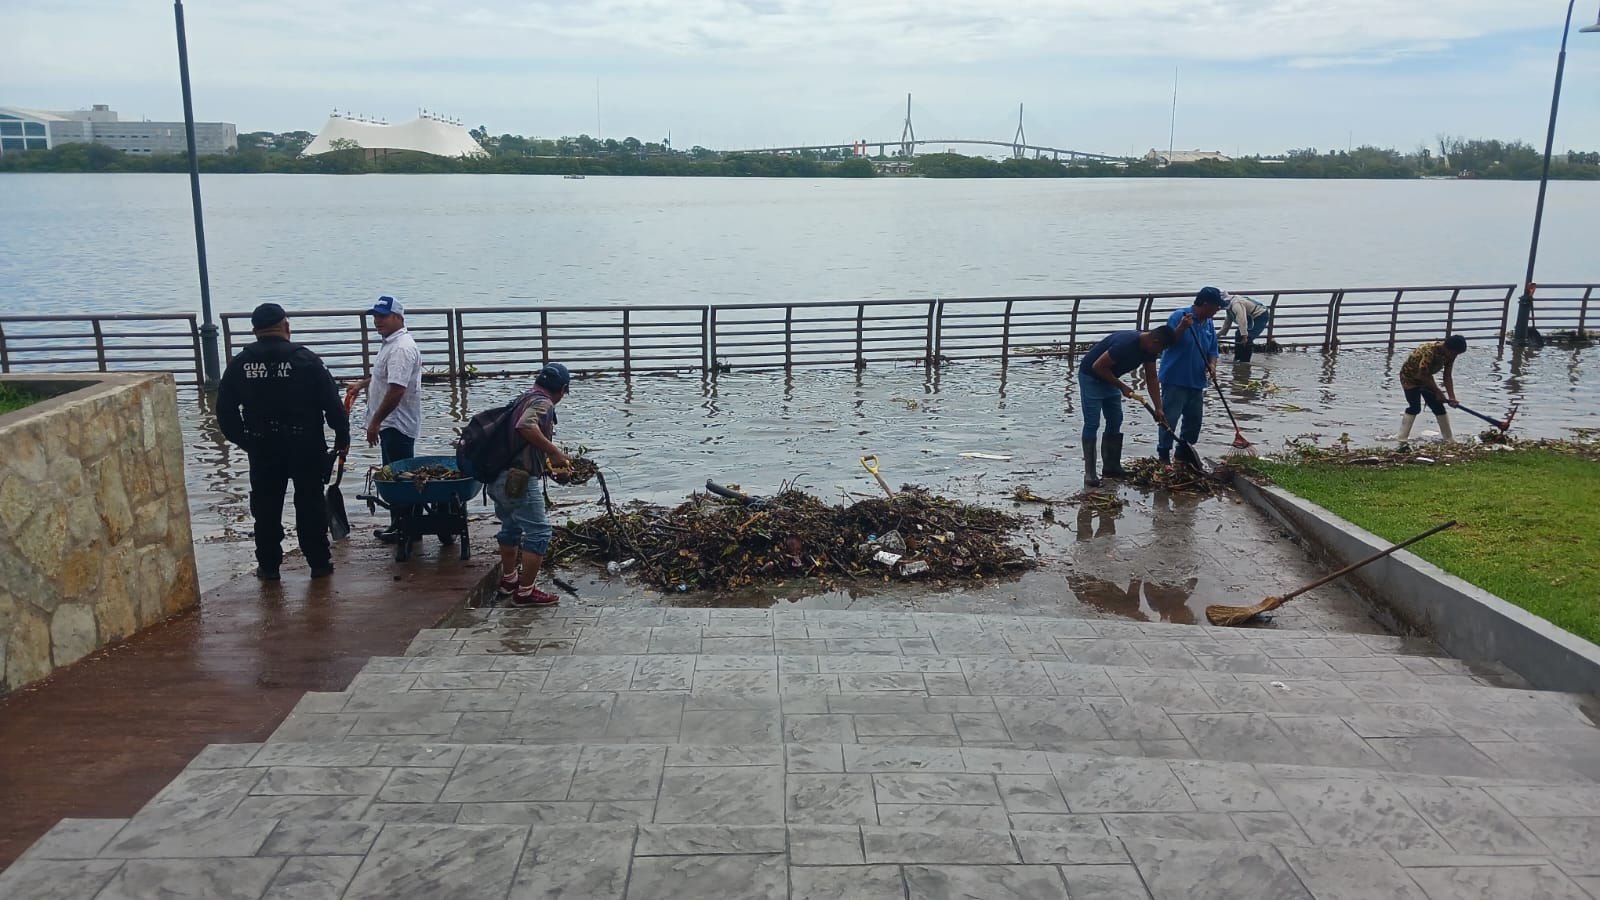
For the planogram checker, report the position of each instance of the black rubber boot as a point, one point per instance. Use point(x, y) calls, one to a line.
point(1090, 479)
point(1111, 456)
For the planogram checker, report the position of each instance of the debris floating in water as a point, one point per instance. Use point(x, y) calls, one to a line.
point(1153, 473)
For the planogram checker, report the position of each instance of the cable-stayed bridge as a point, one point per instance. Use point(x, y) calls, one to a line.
point(908, 143)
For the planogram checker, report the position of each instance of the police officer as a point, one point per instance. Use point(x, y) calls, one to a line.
point(272, 402)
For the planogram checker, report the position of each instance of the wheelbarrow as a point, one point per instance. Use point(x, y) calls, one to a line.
point(436, 506)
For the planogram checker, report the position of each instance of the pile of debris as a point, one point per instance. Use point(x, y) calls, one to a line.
point(420, 474)
point(1153, 473)
point(716, 543)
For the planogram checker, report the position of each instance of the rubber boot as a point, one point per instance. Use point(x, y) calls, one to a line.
point(1406, 421)
point(1111, 456)
point(1444, 428)
point(1090, 479)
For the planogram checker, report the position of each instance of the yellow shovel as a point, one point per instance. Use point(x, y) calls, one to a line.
point(870, 463)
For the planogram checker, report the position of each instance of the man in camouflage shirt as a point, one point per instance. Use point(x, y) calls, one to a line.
point(1416, 379)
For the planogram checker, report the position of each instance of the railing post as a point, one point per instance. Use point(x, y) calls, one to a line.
point(1330, 334)
point(194, 341)
point(450, 343)
point(366, 352)
point(935, 336)
point(788, 337)
point(1394, 316)
point(5, 352)
point(861, 315)
point(1005, 335)
point(1449, 316)
point(99, 343)
point(1505, 315)
point(708, 336)
point(544, 335)
point(1272, 321)
point(627, 345)
point(1583, 315)
point(1072, 333)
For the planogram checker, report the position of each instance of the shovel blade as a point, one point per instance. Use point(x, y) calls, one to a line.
point(338, 522)
point(1187, 455)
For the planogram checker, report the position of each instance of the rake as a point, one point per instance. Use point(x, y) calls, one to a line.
point(1238, 615)
point(1501, 424)
point(1239, 440)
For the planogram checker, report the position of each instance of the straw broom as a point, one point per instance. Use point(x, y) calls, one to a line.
point(1238, 615)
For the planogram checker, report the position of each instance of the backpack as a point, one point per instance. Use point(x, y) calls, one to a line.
point(489, 443)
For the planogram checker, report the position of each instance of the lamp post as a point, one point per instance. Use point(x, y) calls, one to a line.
point(1524, 328)
point(210, 361)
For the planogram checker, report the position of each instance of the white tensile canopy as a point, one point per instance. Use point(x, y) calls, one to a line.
point(424, 135)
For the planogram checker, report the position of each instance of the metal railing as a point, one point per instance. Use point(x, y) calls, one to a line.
point(481, 340)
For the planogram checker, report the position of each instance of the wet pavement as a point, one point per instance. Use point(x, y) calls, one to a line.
point(102, 736)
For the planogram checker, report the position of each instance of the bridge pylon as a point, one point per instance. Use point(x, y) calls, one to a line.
point(1019, 142)
point(908, 135)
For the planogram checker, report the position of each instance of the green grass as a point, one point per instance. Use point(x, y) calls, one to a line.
point(12, 399)
point(1529, 522)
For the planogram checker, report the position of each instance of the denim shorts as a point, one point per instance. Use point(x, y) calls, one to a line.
point(522, 520)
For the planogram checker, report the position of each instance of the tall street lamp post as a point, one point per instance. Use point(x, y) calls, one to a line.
point(1524, 326)
point(211, 362)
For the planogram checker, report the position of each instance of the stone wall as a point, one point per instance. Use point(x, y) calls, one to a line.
point(94, 519)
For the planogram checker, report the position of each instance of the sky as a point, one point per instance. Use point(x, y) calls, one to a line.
point(1252, 76)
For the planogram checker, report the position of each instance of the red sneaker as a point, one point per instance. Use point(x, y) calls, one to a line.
point(532, 596)
point(508, 584)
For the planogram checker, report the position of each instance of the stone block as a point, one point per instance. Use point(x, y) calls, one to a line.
point(42, 540)
point(111, 498)
point(28, 650)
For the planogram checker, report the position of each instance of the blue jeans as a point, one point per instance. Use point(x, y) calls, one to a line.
point(1099, 398)
point(395, 445)
point(1182, 407)
point(522, 519)
point(1259, 325)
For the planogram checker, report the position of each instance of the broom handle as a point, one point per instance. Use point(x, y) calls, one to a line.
point(1376, 556)
point(1214, 383)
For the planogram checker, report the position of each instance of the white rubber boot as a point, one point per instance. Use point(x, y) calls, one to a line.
point(1444, 428)
point(1406, 421)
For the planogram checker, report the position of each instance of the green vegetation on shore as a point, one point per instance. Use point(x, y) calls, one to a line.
point(1529, 521)
point(13, 399)
point(263, 152)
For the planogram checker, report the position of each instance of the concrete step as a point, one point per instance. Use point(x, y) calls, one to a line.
point(734, 825)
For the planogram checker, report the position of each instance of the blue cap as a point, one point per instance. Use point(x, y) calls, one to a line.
point(554, 376)
point(387, 306)
point(1209, 295)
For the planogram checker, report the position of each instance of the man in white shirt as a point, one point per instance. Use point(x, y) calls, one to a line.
point(394, 390)
point(1251, 318)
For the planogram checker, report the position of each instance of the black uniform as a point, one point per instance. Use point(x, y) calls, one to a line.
point(272, 402)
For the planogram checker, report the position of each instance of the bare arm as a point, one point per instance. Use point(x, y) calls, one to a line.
point(1102, 370)
point(1449, 382)
point(552, 453)
point(1152, 380)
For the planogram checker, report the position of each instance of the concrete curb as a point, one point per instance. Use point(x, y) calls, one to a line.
point(1469, 622)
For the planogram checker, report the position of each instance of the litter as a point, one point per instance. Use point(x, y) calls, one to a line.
point(973, 454)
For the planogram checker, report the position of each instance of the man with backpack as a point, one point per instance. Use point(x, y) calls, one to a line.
point(517, 490)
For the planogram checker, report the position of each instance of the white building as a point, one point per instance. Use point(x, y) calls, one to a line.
point(32, 129)
point(1167, 158)
point(425, 134)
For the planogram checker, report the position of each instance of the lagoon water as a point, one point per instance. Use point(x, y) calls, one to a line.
point(123, 243)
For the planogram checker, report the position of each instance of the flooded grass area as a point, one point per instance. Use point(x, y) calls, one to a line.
point(659, 438)
point(1529, 520)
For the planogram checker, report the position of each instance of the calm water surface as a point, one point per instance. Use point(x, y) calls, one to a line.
point(120, 243)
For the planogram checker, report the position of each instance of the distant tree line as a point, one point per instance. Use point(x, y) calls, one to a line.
point(511, 154)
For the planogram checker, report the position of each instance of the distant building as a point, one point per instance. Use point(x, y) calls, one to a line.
point(425, 134)
point(32, 129)
point(1167, 158)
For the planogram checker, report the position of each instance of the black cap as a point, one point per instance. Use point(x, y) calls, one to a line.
point(267, 315)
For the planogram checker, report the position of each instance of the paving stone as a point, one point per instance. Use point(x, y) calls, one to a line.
point(1270, 827)
point(989, 882)
point(847, 883)
point(48, 879)
point(1436, 755)
point(524, 813)
point(1031, 794)
point(75, 839)
point(936, 846)
point(1224, 871)
point(813, 758)
point(324, 806)
point(834, 729)
point(321, 838)
point(1104, 883)
point(1495, 882)
point(1572, 840)
point(181, 879)
point(589, 861)
point(490, 774)
point(320, 780)
point(1225, 787)
point(1104, 785)
point(437, 813)
point(1069, 849)
point(1350, 874)
point(942, 815)
point(1075, 823)
point(820, 845)
point(831, 799)
point(313, 878)
point(428, 860)
point(734, 726)
point(1005, 761)
point(743, 796)
point(1472, 822)
point(1238, 737)
point(1358, 814)
point(752, 877)
point(154, 835)
point(693, 840)
point(741, 755)
point(937, 788)
point(861, 758)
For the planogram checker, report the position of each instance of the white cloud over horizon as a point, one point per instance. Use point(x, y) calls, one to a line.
point(1255, 75)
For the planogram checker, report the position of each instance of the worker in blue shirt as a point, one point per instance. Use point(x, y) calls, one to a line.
point(1186, 366)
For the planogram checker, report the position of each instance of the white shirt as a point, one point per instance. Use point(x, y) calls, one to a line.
point(1241, 310)
point(399, 362)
